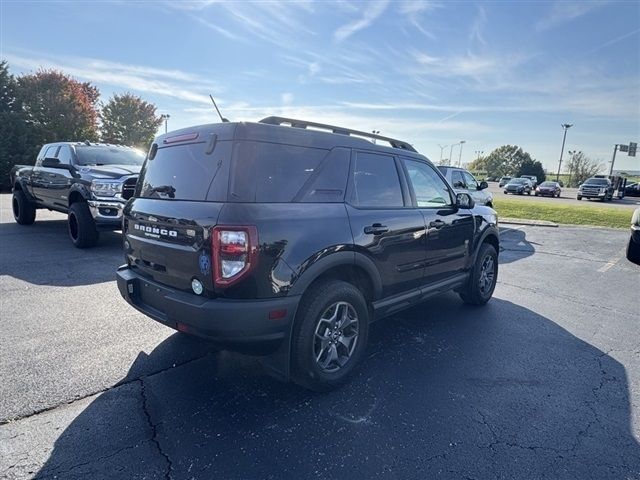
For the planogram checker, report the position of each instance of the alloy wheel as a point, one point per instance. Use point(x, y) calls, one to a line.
point(335, 337)
point(487, 274)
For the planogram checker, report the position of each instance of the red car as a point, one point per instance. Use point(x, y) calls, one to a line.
point(552, 189)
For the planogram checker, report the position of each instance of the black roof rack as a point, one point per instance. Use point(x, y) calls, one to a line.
point(339, 130)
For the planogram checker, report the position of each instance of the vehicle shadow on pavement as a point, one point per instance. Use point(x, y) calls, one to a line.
point(514, 245)
point(445, 391)
point(42, 254)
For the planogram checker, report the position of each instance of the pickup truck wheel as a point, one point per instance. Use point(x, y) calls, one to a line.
point(329, 336)
point(579, 197)
point(484, 277)
point(23, 210)
point(82, 228)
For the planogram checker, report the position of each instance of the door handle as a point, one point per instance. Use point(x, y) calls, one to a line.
point(376, 229)
point(437, 224)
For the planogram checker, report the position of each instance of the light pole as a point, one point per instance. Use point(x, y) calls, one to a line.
point(565, 126)
point(478, 153)
point(441, 149)
point(165, 117)
point(462, 142)
point(375, 132)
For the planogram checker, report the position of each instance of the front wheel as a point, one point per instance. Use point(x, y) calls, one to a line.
point(483, 278)
point(82, 227)
point(329, 336)
point(23, 210)
point(579, 197)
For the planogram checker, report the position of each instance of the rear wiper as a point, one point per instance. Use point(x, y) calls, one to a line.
point(166, 189)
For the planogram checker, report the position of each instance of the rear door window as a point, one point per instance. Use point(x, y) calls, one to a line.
point(273, 173)
point(375, 181)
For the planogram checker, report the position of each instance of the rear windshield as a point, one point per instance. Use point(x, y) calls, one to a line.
point(548, 184)
point(518, 181)
point(597, 181)
point(95, 155)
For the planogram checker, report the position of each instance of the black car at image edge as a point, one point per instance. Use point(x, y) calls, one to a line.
point(287, 238)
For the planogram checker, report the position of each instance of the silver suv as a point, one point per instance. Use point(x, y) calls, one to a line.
point(463, 182)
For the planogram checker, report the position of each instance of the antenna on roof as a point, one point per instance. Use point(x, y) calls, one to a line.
point(217, 109)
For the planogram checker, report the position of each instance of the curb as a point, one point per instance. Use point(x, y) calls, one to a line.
point(522, 221)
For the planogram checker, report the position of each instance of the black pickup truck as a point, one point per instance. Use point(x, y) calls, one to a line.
point(90, 182)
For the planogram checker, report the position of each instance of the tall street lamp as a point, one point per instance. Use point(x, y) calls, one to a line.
point(441, 149)
point(165, 117)
point(478, 153)
point(462, 142)
point(375, 132)
point(565, 126)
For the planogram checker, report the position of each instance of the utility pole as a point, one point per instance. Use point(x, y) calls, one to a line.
point(613, 158)
point(460, 155)
point(565, 126)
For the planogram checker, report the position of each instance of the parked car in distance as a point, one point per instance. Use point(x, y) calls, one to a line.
point(633, 247)
point(518, 186)
point(632, 190)
point(596, 187)
point(548, 189)
point(284, 239)
point(504, 181)
point(532, 178)
point(463, 181)
point(90, 182)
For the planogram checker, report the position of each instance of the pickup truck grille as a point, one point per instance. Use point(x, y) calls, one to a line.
point(590, 191)
point(129, 187)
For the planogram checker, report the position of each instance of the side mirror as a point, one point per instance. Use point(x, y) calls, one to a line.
point(483, 185)
point(464, 200)
point(55, 163)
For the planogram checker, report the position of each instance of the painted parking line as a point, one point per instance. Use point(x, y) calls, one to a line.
point(608, 265)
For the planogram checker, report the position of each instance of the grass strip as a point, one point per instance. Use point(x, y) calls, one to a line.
point(568, 214)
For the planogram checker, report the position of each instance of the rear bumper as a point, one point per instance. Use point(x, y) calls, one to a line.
point(242, 325)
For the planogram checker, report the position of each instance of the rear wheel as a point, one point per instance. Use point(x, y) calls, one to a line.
point(82, 228)
point(23, 210)
point(483, 278)
point(330, 335)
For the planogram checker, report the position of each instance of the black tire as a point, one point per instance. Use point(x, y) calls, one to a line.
point(306, 342)
point(476, 292)
point(633, 251)
point(529, 192)
point(579, 197)
point(23, 210)
point(82, 228)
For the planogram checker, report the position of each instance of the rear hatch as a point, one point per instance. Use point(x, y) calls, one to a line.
point(181, 191)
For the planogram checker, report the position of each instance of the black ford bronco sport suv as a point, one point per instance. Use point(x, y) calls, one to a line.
point(280, 239)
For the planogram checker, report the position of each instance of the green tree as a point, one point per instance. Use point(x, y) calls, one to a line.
point(17, 134)
point(129, 120)
point(532, 167)
point(60, 107)
point(504, 160)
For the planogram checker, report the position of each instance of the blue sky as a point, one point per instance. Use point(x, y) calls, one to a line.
point(432, 73)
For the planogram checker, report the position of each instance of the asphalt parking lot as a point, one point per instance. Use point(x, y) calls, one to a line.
point(544, 382)
point(568, 196)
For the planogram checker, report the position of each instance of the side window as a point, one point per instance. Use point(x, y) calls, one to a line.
point(457, 181)
point(430, 189)
point(51, 152)
point(375, 181)
point(64, 155)
point(472, 183)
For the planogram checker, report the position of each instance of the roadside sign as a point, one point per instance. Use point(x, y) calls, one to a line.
point(632, 149)
point(623, 148)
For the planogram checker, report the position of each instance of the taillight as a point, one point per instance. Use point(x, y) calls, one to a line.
point(234, 252)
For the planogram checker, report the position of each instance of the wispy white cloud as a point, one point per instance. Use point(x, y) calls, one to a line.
point(137, 78)
point(566, 11)
point(477, 27)
point(372, 10)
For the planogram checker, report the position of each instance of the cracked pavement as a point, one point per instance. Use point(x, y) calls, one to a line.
point(544, 382)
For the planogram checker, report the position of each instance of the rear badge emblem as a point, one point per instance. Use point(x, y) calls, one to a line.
point(205, 264)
